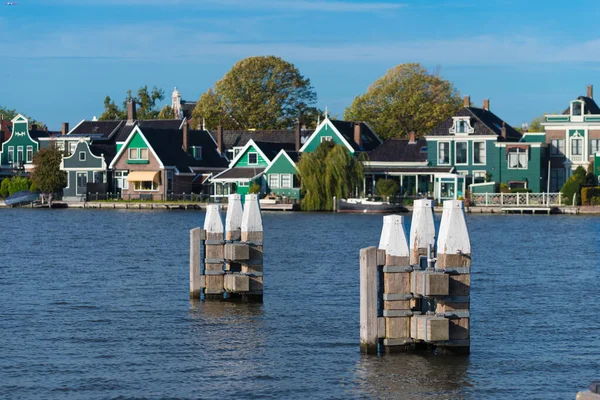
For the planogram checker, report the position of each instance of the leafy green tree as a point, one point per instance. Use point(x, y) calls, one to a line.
point(8, 114)
point(572, 186)
point(263, 92)
point(255, 188)
point(47, 175)
point(146, 104)
point(18, 184)
point(166, 113)
point(329, 171)
point(387, 187)
point(4, 187)
point(406, 99)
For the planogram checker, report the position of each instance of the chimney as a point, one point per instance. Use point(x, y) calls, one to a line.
point(131, 111)
point(412, 138)
point(486, 104)
point(357, 134)
point(467, 101)
point(297, 134)
point(65, 128)
point(590, 91)
point(220, 139)
point(185, 136)
point(503, 130)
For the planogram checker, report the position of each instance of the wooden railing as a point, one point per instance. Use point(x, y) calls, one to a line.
point(516, 199)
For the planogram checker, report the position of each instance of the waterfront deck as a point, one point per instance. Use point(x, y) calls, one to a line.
point(160, 206)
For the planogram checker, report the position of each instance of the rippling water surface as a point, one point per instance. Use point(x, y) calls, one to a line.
point(94, 304)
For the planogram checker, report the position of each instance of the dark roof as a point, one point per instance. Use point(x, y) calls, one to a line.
point(239, 138)
point(294, 155)
point(484, 122)
point(187, 107)
point(36, 134)
point(369, 138)
point(240, 172)
point(160, 123)
point(272, 149)
point(590, 106)
point(400, 150)
point(408, 170)
point(109, 151)
point(106, 128)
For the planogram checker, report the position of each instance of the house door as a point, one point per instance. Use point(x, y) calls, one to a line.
point(19, 156)
point(81, 183)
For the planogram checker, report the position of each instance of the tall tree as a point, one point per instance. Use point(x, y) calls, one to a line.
point(146, 104)
point(47, 176)
point(329, 171)
point(406, 99)
point(258, 92)
point(166, 113)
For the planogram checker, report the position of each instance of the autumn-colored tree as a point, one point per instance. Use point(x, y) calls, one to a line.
point(406, 99)
point(263, 92)
point(47, 176)
point(146, 104)
point(166, 113)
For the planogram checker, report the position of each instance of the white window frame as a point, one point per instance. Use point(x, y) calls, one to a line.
point(438, 153)
point(243, 184)
point(555, 150)
point(597, 142)
point(274, 181)
point(10, 156)
point(518, 152)
point(256, 154)
point(27, 157)
point(20, 150)
point(197, 152)
point(484, 153)
point(457, 120)
point(290, 181)
point(456, 152)
point(82, 153)
point(582, 108)
point(479, 174)
point(138, 153)
point(155, 186)
point(326, 139)
point(580, 147)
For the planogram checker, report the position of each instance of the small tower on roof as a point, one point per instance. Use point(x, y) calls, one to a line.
point(176, 103)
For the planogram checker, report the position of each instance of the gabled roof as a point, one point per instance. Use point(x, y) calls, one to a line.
point(239, 173)
point(239, 138)
point(590, 106)
point(292, 156)
point(104, 128)
point(369, 139)
point(400, 150)
point(484, 123)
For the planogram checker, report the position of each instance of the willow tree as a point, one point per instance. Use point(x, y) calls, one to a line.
point(330, 171)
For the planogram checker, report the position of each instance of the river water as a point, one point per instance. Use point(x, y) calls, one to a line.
point(94, 304)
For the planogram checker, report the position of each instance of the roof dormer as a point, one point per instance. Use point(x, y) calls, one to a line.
point(577, 110)
point(461, 126)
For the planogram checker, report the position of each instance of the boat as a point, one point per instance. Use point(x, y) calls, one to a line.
point(24, 196)
point(368, 205)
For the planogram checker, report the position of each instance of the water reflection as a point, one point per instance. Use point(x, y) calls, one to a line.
point(414, 376)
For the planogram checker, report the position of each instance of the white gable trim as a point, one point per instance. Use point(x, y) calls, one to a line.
point(76, 126)
point(62, 162)
point(243, 151)
point(275, 159)
point(124, 147)
point(326, 121)
point(12, 133)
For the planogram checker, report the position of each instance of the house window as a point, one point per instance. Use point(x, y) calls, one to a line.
point(517, 158)
point(478, 152)
point(576, 146)
point(326, 139)
point(444, 153)
point(252, 158)
point(594, 146)
point(577, 108)
point(461, 126)
point(479, 176)
point(138, 154)
point(462, 152)
point(29, 155)
point(243, 183)
point(274, 181)
point(11, 154)
point(557, 179)
point(169, 180)
point(99, 177)
point(557, 147)
point(197, 152)
point(145, 186)
point(82, 156)
point(20, 154)
point(286, 181)
point(72, 146)
point(236, 151)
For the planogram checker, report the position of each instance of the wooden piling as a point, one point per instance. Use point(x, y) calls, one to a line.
point(422, 230)
point(214, 253)
point(252, 234)
point(454, 257)
point(233, 220)
point(369, 334)
point(195, 276)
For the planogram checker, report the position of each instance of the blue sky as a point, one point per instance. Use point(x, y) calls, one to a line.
point(60, 58)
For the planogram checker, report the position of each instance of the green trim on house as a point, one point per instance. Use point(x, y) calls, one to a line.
point(591, 119)
point(138, 161)
point(281, 171)
point(326, 130)
point(19, 141)
point(137, 142)
point(564, 118)
point(243, 160)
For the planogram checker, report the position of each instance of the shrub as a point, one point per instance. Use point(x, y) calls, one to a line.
point(588, 194)
point(4, 187)
point(255, 188)
point(387, 188)
point(17, 184)
point(504, 188)
point(33, 187)
point(572, 187)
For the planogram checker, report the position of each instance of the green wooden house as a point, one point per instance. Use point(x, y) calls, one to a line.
point(282, 175)
point(17, 152)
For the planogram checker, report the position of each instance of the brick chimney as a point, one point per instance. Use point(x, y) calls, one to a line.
point(65, 128)
point(185, 136)
point(486, 104)
point(357, 134)
point(467, 101)
point(131, 117)
point(590, 91)
point(412, 139)
point(297, 135)
point(503, 130)
point(220, 139)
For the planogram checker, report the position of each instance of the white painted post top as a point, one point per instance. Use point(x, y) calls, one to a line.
point(453, 236)
point(422, 228)
point(384, 231)
point(394, 242)
point(233, 219)
point(213, 222)
point(251, 217)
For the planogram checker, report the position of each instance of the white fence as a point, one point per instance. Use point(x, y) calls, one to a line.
point(516, 199)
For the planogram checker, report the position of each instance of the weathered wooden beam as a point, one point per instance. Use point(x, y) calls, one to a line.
point(195, 277)
point(252, 234)
point(213, 253)
point(237, 252)
point(422, 230)
point(368, 301)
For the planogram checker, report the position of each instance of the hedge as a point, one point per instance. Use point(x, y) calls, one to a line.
point(589, 195)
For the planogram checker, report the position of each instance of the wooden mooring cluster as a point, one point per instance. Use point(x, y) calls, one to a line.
point(226, 260)
point(412, 296)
